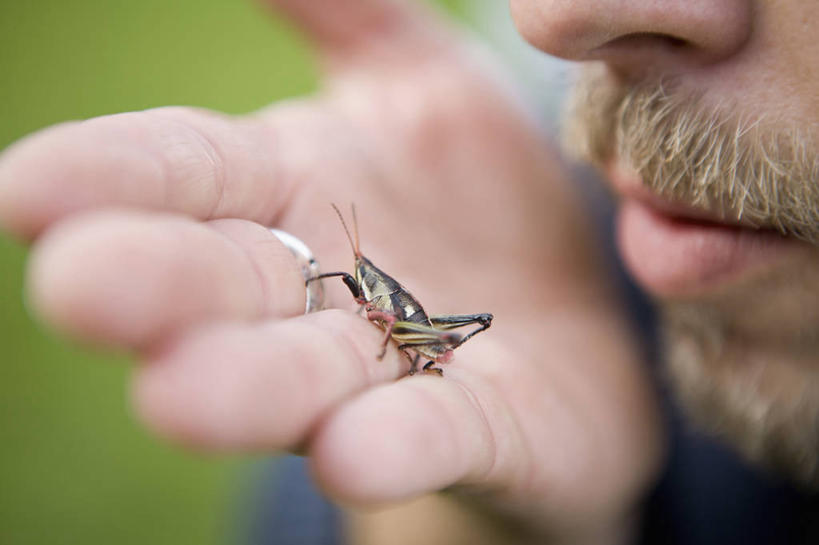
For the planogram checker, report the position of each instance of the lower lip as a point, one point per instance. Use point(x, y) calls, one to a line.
point(676, 258)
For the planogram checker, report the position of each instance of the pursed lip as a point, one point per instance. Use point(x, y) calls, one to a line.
point(676, 250)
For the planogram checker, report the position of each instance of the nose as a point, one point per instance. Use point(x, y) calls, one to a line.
point(636, 34)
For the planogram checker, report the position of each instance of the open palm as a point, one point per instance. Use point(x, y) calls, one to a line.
point(150, 232)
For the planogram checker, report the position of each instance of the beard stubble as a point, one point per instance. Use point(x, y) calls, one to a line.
point(744, 360)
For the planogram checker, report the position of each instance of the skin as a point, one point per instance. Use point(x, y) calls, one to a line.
point(148, 233)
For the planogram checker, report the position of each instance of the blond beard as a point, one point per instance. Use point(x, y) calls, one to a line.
point(744, 360)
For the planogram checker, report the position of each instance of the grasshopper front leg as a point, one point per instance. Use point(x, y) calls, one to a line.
point(389, 320)
point(349, 281)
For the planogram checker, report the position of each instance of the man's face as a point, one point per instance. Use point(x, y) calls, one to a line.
point(704, 115)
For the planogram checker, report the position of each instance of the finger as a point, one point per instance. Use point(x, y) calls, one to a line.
point(133, 278)
point(263, 386)
point(178, 159)
point(346, 30)
point(402, 440)
point(494, 422)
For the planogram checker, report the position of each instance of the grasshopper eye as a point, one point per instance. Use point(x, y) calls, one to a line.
point(351, 284)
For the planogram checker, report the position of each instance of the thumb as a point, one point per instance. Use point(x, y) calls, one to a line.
point(347, 30)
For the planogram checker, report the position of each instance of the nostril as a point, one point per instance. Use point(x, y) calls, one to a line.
point(638, 40)
point(637, 53)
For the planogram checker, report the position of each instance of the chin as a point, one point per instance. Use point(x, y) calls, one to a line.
point(745, 366)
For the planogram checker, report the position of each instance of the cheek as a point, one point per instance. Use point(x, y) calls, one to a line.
point(789, 30)
point(799, 62)
point(777, 73)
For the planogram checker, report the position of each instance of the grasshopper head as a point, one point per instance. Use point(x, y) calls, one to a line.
point(365, 276)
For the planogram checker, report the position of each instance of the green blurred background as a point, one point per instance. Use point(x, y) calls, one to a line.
point(74, 465)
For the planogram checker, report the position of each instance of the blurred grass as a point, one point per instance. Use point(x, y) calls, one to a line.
point(74, 466)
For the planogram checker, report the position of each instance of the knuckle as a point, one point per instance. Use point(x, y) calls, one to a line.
point(357, 342)
point(275, 270)
point(191, 155)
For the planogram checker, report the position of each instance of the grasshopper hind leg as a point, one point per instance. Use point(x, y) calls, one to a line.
point(447, 322)
point(427, 369)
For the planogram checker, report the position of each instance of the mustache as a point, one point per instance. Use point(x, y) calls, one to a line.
point(738, 165)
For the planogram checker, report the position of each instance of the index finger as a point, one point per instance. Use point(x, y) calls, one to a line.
point(261, 386)
point(184, 160)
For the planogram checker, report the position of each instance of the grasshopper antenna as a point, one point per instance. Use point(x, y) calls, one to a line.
point(354, 246)
point(355, 229)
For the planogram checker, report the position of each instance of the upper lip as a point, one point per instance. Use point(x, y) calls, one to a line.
point(634, 189)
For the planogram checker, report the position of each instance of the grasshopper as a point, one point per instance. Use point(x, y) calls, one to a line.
point(393, 308)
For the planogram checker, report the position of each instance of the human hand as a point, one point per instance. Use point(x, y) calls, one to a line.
point(148, 232)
